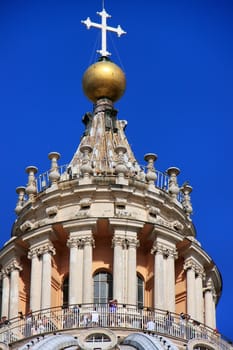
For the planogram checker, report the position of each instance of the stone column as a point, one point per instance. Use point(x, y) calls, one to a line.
point(170, 279)
point(35, 282)
point(75, 270)
point(159, 276)
point(199, 296)
point(132, 244)
point(118, 243)
point(46, 251)
point(5, 293)
point(190, 280)
point(124, 243)
point(209, 297)
point(88, 243)
point(208, 306)
point(14, 268)
point(214, 300)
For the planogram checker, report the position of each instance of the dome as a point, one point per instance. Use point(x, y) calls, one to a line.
point(104, 79)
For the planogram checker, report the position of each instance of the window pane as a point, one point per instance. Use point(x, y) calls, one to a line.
point(65, 290)
point(140, 291)
point(102, 287)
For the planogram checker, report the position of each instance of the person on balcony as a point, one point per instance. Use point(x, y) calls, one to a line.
point(182, 321)
point(168, 321)
point(150, 326)
point(112, 309)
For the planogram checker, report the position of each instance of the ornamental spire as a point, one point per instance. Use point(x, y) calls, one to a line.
point(104, 28)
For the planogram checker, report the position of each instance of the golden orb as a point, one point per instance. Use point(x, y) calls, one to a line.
point(104, 79)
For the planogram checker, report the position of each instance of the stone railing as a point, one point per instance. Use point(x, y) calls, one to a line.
point(123, 317)
point(44, 182)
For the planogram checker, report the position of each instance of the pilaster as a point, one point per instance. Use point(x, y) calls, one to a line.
point(88, 244)
point(14, 269)
point(46, 251)
point(194, 278)
point(132, 244)
point(35, 281)
point(75, 244)
point(5, 292)
point(164, 275)
point(119, 244)
point(209, 298)
point(125, 259)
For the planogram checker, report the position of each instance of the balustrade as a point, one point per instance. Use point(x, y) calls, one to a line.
point(44, 182)
point(45, 321)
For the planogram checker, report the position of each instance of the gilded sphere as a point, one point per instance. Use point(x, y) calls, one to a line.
point(104, 79)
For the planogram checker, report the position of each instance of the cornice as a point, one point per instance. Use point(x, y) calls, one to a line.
point(76, 225)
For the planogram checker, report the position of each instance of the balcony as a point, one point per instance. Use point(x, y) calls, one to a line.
point(66, 173)
point(124, 318)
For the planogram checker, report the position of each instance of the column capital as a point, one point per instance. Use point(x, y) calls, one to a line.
point(12, 266)
point(164, 250)
point(190, 264)
point(75, 242)
point(200, 272)
point(209, 287)
point(72, 242)
point(34, 252)
point(132, 242)
point(118, 241)
point(46, 248)
point(215, 297)
point(88, 241)
point(4, 273)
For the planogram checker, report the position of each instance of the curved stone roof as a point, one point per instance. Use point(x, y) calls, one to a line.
point(147, 342)
point(55, 342)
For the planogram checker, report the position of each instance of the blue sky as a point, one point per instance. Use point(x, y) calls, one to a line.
point(178, 60)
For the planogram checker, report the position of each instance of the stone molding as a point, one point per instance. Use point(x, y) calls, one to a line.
point(52, 211)
point(172, 225)
point(153, 211)
point(27, 225)
point(123, 213)
point(177, 225)
point(82, 214)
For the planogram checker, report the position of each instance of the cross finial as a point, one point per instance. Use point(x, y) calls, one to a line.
point(104, 28)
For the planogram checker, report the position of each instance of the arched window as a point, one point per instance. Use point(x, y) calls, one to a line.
point(102, 287)
point(98, 338)
point(140, 291)
point(65, 290)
